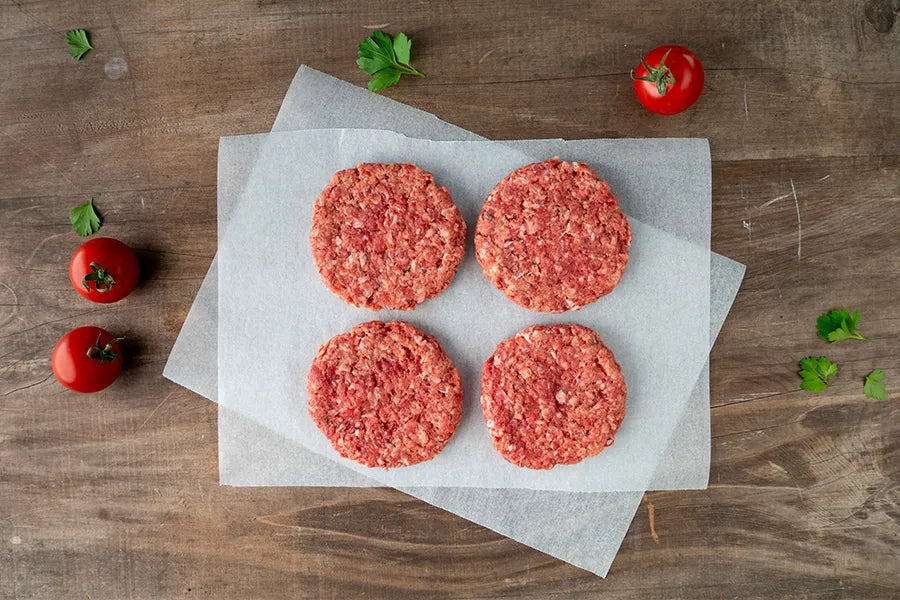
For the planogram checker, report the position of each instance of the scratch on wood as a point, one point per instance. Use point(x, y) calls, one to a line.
point(41, 158)
point(44, 324)
point(770, 93)
point(824, 178)
point(778, 467)
point(40, 245)
point(18, 210)
point(30, 385)
point(485, 55)
point(612, 104)
point(774, 200)
point(651, 510)
point(153, 412)
point(134, 97)
point(746, 109)
point(11, 365)
point(748, 224)
point(14, 305)
point(379, 26)
point(15, 575)
point(799, 227)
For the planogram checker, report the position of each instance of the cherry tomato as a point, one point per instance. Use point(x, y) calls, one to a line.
point(87, 359)
point(104, 270)
point(668, 80)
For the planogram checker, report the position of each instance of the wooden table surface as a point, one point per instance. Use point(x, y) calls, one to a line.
point(115, 495)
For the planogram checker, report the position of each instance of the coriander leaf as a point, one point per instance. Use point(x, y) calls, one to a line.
point(78, 39)
point(874, 386)
point(85, 219)
point(838, 325)
point(385, 59)
point(402, 46)
point(384, 78)
point(815, 373)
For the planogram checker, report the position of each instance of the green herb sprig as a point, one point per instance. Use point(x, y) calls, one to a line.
point(85, 219)
point(874, 386)
point(815, 373)
point(78, 39)
point(837, 325)
point(386, 59)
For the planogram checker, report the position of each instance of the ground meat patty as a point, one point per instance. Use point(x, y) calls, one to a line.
point(385, 394)
point(552, 237)
point(385, 236)
point(552, 395)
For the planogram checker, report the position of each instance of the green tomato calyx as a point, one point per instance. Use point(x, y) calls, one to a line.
point(661, 76)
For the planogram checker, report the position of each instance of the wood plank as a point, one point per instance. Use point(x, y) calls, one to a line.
point(185, 87)
point(115, 495)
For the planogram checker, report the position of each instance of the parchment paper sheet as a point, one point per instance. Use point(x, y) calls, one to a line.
point(597, 522)
point(237, 467)
point(315, 99)
point(270, 296)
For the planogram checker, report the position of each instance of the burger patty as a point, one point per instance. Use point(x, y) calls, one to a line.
point(552, 395)
point(385, 394)
point(385, 236)
point(551, 236)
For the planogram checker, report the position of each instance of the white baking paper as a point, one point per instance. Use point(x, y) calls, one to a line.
point(317, 100)
point(253, 456)
point(270, 296)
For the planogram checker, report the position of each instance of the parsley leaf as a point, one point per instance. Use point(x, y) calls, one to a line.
point(402, 47)
point(85, 219)
point(815, 373)
point(385, 59)
point(874, 386)
point(838, 325)
point(78, 39)
point(384, 78)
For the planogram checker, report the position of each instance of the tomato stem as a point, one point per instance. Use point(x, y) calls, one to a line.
point(104, 353)
point(661, 75)
point(102, 278)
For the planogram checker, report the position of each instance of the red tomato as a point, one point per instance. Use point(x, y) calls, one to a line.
point(104, 270)
point(668, 80)
point(87, 359)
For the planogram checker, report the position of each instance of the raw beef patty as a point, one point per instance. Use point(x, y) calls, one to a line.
point(552, 395)
point(385, 236)
point(552, 237)
point(385, 394)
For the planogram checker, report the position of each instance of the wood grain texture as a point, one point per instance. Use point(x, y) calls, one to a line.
point(115, 495)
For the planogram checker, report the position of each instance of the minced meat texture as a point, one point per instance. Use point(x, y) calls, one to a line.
point(385, 236)
point(551, 237)
point(385, 394)
point(552, 395)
